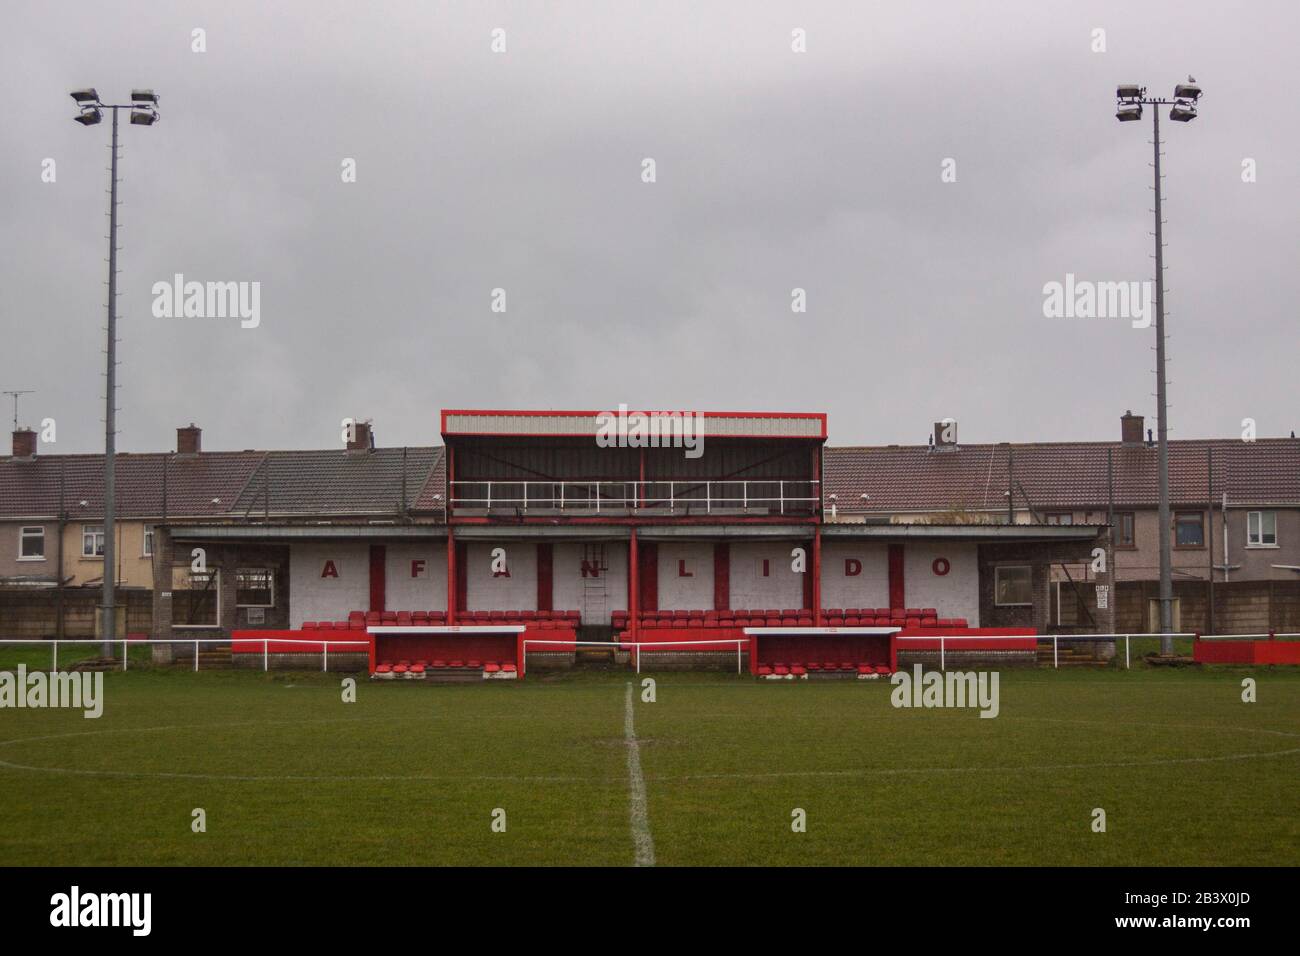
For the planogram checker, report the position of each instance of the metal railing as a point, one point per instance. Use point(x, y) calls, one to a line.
point(1054, 638)
point(266, 643)
point(770, 495)
point(637, 645)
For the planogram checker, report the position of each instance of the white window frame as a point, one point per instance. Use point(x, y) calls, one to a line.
point(97, 536)
point(1257, 539)
point(31, 531)
point(997, 589)
point(267, 571)
point(146, 542)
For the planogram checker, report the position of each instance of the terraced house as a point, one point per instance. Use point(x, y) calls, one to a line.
point(1235, 519)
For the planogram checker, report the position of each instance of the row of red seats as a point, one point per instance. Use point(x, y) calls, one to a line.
point(814, 667)
point(833, 617)
point(419, 667)
point(407, 617)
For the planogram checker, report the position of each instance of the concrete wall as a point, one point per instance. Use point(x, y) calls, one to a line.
point(868, 588)
point(512, 591)
point(685, 575)
point(954, 594)
point(314, 596)
point(415, 577)
point(761, 577)
point(600, 591)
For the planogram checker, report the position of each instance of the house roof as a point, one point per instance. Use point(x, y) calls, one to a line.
point(224, 484)
point(1057, 475)
point(30, 487)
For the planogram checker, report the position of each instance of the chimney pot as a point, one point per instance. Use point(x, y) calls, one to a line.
point(189, 439)
point(1130, 428)
point(24, 443)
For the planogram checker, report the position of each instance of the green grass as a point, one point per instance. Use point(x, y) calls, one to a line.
point(410, 774)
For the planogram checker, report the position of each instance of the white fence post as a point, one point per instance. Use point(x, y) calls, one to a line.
point(124, 653)
point(941, 665)
point(325, 656)
point(196, 656)
point(56, 656)
point(738, 670)
point(1127, 665)
point(1055, 662)
point(266, 655)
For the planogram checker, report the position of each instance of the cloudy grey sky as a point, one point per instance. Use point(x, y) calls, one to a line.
point(775, 170)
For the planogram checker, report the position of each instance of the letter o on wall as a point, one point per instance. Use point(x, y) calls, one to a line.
point(941, 566)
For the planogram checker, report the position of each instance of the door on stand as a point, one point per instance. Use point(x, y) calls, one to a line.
point(595, 584)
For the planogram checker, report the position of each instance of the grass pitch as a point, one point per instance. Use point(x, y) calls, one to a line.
point(411, 774)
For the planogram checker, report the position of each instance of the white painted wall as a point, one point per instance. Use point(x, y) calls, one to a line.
point(685, 593)
point(596, 595)
point(956, 594)
point(484, 592)
point(316, 598)
point(781, 588)
point(415, 577)
point(869, 588)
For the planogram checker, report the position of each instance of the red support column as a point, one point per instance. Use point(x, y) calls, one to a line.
point(451, 577)
point(377, 583)
point(897, 590)
point(633, 586)
point(462, 576)
point(721, 576)
point(545, 575)
point(817, 576)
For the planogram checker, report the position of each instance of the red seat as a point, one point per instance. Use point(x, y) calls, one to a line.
point(929, 612)
point(814, 666)
point(846, 666)
point(438, 664)
point(913, 622)
point(798, 670)
point(455, 663)
point(384, 669)
point(473, 663)
point(309, 625)
point(835, 622)
point(834, 612)
point(508, 668)
point(958, 622)
point(764, 670)
point(853, 622)
point(866, 669)
point(882, 668)
point(491, 667)
point(400, 668)
point(417, 668)
point(780, 670)
point(830, 666)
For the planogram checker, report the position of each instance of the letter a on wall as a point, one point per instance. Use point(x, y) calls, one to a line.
point(329, 571)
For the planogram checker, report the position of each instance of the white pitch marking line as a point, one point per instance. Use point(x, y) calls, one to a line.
point(641, 838)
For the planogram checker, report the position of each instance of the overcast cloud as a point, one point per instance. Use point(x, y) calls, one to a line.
point(522, 170)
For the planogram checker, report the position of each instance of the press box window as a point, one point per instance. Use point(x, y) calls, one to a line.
point(1013, 586)
point(254, 587)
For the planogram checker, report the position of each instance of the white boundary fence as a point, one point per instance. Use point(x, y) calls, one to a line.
point(266, 643)
point(619, 645)
point(944, 639)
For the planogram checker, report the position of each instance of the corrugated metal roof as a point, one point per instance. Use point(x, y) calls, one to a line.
point(715, 424)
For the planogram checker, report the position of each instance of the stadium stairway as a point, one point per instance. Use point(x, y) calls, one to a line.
point(215, 656)
point(1069, 654)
